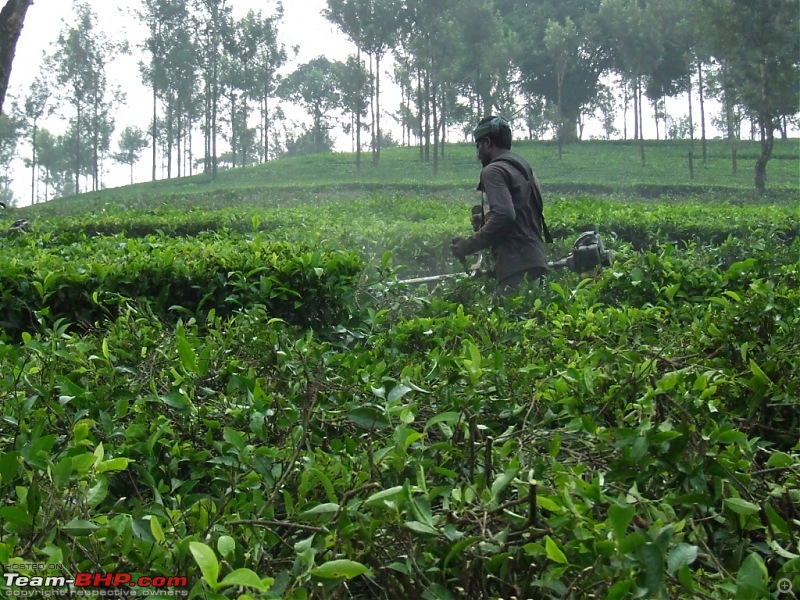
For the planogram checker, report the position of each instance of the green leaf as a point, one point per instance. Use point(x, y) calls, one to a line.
point(13, 514)
point(207, 561)
point(325, 508)
point(741, 507)
point(378, 498)
point(226, 545)
point(368, 417)
point(781, 459)
point(115, 464)
point(619, 590)
point(446, 417)
point(760, 379)
point(420, 527)
point(554, 553)
point(79, 527)
point(653, 560)
point(620, 517)
point(187, 355)
point(340, 569)
point(155, 529)
point(751, 581)
point(397, 392)
point(502, 481)
point(728, 436)
point(460, 546)
point(680, 556)
point(97, 493)
point(246, 578)
point(9, 467)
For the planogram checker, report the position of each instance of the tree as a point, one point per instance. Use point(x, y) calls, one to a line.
point(563, 42)
point(214, 21)
point(10, 129)
point(314, 86)
point(538, 73)
point(79, 64)
point(36, 106)
point(53, 160)
point(638, 44)
point(758, 42)
point(373, 27)
point(352, 81)
point(12, 17)
point(131, 143)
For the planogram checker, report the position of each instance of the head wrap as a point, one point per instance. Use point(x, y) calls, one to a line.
point(489, 127)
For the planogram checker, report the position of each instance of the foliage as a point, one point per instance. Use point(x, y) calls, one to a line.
point(244, 394)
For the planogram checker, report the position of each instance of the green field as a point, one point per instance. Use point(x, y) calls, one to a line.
point(225, 381)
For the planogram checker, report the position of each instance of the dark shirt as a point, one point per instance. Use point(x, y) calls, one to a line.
point(513, 227)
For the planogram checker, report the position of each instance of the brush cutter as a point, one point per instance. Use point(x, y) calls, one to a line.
point(587, 253)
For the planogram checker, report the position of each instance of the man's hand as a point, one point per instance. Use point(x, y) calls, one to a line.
point(460, 248)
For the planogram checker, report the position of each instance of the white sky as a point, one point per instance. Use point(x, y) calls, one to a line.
point(302, 26)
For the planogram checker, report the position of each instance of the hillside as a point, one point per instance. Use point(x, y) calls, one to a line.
point(224, 386)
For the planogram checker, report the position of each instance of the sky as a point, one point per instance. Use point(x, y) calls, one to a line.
point(302, 26)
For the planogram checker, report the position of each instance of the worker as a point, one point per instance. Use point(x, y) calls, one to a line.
point(513, 227)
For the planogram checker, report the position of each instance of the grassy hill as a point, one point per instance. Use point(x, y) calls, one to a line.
point(590, 167)
point(224, 385)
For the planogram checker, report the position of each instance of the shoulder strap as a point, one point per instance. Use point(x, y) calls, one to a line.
point(536, 195)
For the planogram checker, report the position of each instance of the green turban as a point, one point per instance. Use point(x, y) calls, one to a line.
point(489, 127)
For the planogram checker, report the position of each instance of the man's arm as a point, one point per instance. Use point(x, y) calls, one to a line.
point(501, 208)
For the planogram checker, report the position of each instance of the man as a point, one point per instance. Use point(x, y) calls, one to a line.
point(514, 225)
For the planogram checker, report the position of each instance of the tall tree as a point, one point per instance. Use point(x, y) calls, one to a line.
point(758, 42)
point(638, 45)
point(214, 21)
point(53, 160)
point(314, 86)
point(538, 73)
point(267, 55)
point(352, 81)
point(373, 26)
point(10, 130)
point(563, 43)
point(131, 143)
point(12, 17)
point(79, 62)
point(36, 106)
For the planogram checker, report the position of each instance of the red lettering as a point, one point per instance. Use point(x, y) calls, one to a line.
point(144, 581)
point(101, 579)
point(159, 581)
point(121, 579)
point(83, 579)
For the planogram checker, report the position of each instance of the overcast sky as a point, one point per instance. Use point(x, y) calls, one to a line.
point(302, 26)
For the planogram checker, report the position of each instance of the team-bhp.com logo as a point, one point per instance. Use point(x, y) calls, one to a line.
point(19, 585)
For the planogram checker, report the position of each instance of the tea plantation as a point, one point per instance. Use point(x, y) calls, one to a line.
point(224, 381)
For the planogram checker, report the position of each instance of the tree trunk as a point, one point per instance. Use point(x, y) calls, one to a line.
point(11, 19)
point(376, 157)
point(427, 132)
point(372, 109)
point(435, 133)
point(702, 112)
point(33, 163)
point(154, 134)
point(767, 143)
point(641, 121)
point(767, 134)
point(78, 149)
point(358, 119)
point(419, 113)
